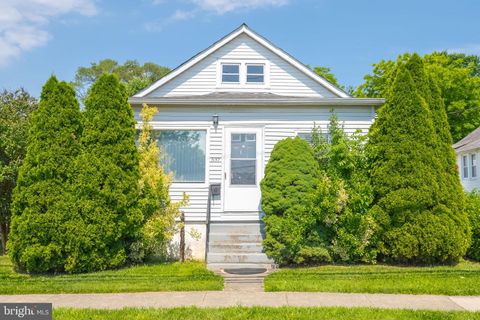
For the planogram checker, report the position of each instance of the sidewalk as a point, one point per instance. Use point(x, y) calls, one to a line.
point(248, 298)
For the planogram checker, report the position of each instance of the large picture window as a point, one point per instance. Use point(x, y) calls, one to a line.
point(183, 154)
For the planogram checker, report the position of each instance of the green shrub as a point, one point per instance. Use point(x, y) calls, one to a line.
point(418, 207)
point(107, 181)
point(159, 212)
point(290, 179)
point(473, 211)
point(44, 216)
point(344, 195)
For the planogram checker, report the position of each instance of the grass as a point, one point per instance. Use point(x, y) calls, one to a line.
point(461, 279)
point(190, 276)
point(263, 313)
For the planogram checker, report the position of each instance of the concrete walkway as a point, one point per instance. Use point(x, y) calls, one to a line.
point(244, 298)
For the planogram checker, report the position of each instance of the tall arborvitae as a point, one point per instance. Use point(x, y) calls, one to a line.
point(451, 192)
point(403, 146)
point(107, 183)
point(43, 206)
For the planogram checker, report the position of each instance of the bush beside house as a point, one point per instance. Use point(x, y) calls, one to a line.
point(397, 198)
point(290, 179)
point(473, 210)
point(344, 194)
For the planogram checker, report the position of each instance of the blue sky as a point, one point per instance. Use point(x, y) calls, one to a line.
point(41, 37)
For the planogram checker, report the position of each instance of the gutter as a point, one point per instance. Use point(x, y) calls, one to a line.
point(377, 102)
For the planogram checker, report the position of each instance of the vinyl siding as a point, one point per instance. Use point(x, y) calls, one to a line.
point(277, 123)
point(201, 78)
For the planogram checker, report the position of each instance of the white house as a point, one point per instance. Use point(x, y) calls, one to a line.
point(220, 115)
point(467, 151)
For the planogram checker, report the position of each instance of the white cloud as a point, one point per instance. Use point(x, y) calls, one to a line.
point(224, 6)
point(159, 25)
point(467, 49)
point(23, 23)
point(218, 7)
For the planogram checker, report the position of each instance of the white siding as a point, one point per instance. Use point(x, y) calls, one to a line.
point(277, 123)
point(201, 78)
point(469, 183)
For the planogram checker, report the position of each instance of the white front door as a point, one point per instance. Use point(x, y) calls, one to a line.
point(243, 169)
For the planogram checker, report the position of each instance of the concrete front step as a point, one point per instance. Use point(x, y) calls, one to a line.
point(213, 257)
point(236, 248)
point(237, 228)
point(219, 266)
point(225, 238)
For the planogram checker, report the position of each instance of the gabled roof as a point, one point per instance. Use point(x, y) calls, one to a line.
point(470, 142)
point(243, 29)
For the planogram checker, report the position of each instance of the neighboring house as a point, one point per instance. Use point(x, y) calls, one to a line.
point(467, 151)
point(220, 115)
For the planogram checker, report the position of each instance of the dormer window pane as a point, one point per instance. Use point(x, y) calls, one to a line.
point(231, 73)
point(255, 73)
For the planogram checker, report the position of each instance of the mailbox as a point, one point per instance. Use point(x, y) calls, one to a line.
point(216, 189)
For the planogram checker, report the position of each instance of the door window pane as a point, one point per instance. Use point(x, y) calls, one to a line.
point(243, 159)
point(243, 172)
point(183, 154)
point(244, 148)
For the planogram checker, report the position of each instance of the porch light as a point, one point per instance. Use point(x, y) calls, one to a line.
point(215, 121)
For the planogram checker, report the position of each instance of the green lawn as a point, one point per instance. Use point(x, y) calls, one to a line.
point(237, 313)
point(190, 276)
point(462, 279)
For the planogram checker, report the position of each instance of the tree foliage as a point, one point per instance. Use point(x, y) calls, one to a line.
point(327, 74)
point(44, 216)
point(473, 211)
point(344, 195)
point(290, 179)
point(159, 211)
point(457, 76)
point(420, 215)
point(107, 180)
point(134, 75)
point(15, 112)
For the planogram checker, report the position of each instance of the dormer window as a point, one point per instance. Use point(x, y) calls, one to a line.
point(251, 74)
point(255, 73)
point(230, 73)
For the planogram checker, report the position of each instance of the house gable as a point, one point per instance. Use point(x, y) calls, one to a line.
point(201, 75)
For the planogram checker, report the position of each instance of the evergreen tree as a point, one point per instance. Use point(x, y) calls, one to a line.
point(451, 191)
point(408, 177)
point(291, 177)
point(107, 182)
point(43, 206)
point(15, 112)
